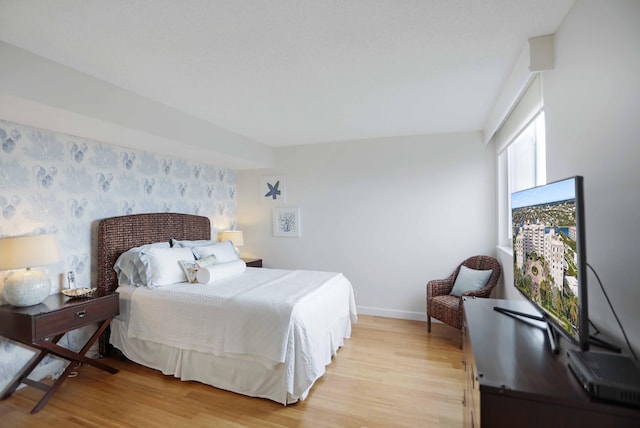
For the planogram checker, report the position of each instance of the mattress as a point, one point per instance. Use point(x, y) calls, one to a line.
point(225, 350)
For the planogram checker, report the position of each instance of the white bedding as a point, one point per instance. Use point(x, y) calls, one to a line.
point(267, 333)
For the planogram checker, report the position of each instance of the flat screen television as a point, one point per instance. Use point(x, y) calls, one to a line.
point(549, 256)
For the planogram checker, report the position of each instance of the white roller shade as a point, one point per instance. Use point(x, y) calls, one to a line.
point(525, 110)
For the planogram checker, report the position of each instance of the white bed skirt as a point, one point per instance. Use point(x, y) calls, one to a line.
point(242, 376)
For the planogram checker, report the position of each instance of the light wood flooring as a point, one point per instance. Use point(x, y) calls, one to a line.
point(391, 373)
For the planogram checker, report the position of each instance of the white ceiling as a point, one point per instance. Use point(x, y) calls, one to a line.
point(286, 72)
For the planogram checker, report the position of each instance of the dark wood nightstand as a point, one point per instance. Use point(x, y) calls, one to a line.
point(41, 326)
point(253, 262)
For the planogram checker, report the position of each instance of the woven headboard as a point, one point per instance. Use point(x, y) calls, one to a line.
point(118, 234)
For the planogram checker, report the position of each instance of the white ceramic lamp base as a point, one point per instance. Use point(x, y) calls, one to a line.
point(26, 288)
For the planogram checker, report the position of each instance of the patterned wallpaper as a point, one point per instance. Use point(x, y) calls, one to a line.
point(56, 183)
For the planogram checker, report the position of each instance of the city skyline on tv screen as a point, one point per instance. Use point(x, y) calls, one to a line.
point(545, 259)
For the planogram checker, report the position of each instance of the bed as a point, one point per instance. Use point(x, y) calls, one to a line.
point(264, 333)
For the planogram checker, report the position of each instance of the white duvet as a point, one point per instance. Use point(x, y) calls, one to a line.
point(258, 315)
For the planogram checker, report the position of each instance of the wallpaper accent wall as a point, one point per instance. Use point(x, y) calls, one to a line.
point(56, 183)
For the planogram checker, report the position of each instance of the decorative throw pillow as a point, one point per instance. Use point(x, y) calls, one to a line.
point(206, 261)
point(191, 267)
point(223, 252)
point(470, 280)
point(220, 271)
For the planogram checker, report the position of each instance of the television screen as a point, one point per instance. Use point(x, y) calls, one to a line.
point(549, 260)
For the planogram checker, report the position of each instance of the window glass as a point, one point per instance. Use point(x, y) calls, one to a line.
point(525, 164)
point(524, 171)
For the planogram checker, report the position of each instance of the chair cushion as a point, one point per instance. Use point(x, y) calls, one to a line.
point(447, 301)
point(470, 280)
point(447, 309)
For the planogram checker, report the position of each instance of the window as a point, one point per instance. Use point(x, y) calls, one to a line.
point(526, 161)
point(520, 143)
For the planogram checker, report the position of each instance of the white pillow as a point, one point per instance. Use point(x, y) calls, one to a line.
point(130, 268)
point(219, 271)
point(163, 267)
point(470, 280)
point(223, 252)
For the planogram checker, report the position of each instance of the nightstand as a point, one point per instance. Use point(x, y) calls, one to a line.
point(253, 262)
point(41, 327)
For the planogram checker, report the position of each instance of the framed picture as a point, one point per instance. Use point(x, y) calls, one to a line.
point(273, 189)
point(286, 222)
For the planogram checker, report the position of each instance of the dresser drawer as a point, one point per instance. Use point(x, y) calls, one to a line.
point(75, 316)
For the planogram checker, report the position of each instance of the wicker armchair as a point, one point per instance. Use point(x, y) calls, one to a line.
point(447, 308)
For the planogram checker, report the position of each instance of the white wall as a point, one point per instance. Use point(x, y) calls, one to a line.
point(390, 214)
point(592, 101)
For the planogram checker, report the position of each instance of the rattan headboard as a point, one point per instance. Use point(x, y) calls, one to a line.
point(118, 234)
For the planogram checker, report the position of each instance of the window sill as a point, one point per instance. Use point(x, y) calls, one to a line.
point(505, 250)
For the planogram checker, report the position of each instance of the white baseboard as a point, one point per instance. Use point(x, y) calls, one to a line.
point(387, 313)
point(39, 373)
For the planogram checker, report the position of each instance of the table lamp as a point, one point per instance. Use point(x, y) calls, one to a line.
point(27, 286)
point(235, 236)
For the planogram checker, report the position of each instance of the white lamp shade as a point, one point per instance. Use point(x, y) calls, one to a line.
point(28, 251)
point(235, 236)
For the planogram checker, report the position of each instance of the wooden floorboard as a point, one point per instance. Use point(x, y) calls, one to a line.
point(391, 373)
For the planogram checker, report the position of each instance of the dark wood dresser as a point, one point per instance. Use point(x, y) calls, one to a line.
point(514, 380)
